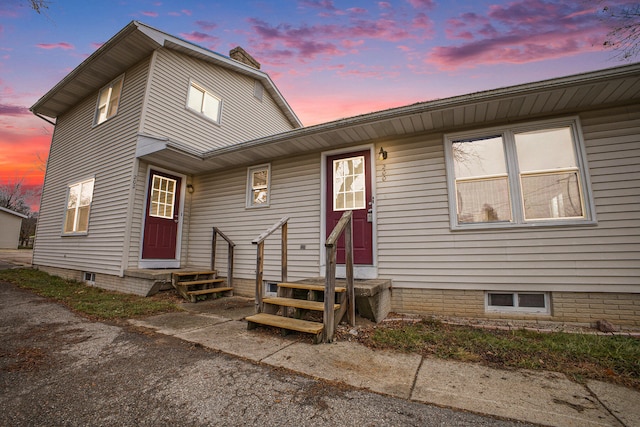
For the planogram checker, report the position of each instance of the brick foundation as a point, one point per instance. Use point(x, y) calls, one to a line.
point(621, 309)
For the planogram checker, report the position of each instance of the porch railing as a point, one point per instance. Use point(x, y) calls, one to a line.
point(259, 241)
point(344, 225)
point(214, 239)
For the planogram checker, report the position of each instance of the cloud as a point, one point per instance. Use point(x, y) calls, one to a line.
point(201, 38)
point(307, 42)
point(13, 110)
point(61, 45)
point(149, 13)
point(206, 25)
point(519, 32)
point(422, 4)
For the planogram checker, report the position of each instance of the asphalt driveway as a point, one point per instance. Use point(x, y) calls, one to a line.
point(57, 368)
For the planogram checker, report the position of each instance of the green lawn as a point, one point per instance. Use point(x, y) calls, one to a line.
point(613, 358)
point(93, 302)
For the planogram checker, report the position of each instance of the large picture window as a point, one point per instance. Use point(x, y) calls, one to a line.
point(520, 176)
point(203, 102)
point(79, 199)
point(108, 101)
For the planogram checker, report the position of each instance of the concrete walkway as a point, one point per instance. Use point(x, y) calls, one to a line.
point(546, 398)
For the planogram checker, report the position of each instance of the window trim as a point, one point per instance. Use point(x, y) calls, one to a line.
point(105, 87)
point(66, 209)
point(205, 91)
point(513, 176)
point(249, 193)
point(546, 310)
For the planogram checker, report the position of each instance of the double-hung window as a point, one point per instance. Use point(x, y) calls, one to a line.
point(519, 176)
point(258, 182)
point(108, 101)
point(79, 199)
point(203, 102)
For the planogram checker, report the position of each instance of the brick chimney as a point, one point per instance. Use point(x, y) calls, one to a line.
point(241, 55)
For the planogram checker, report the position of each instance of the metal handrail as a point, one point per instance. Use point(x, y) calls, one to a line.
point(344, 225)
point(259, 241)
point(214, 238)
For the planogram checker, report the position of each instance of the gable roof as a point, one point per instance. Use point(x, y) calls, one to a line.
point(9, 211)
point(617, 86)
point(133, 43)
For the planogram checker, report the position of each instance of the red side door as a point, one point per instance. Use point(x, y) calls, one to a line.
point(349, 188)
point(162, 217)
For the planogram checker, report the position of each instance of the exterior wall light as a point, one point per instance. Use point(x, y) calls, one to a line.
point(190, 188)
point(382, 155)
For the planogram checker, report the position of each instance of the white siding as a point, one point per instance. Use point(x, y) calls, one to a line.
point(243, 116)
point(219, 200)
point(10, 225)
point(417, 250)
point(80, 151)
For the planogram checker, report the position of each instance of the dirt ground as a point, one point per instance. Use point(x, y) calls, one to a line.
point(57, 368)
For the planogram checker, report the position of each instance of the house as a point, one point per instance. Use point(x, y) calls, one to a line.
point(10, 224)
point(516, 203)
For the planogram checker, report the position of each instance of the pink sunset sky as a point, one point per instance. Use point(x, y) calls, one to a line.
point(330, 59)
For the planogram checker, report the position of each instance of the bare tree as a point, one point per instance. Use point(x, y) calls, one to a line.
point(14, 195)
point(39, 5)
point(625, 34)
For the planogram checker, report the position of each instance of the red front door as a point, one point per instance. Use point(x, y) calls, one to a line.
point(161, 221)
point(349, 188)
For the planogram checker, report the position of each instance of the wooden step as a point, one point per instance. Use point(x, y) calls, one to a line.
point(298, 303)
point(308, 287)
point(286, 323)
point(193, 273)
point(199, 282)
point(209, 291)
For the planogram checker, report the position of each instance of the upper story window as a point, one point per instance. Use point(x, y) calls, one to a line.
point(520, 176)
point(258, 183)
point(108, 100)
point(203, 102)
point(79, 199)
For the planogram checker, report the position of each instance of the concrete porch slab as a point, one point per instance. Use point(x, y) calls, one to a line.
point(354, 364)
point(177, 323)
point(547, 398)
point(232, 337)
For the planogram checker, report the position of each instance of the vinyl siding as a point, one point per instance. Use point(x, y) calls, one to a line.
point(80, 151)
point(243, 116)
point(417, 249)
point(219, 200)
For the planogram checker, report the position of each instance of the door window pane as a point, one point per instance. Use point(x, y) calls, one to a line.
point(162, 197)
point(349, 190)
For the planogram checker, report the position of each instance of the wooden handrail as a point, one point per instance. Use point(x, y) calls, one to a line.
point(216, 232)
point(344, 225)
point(259, 241)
